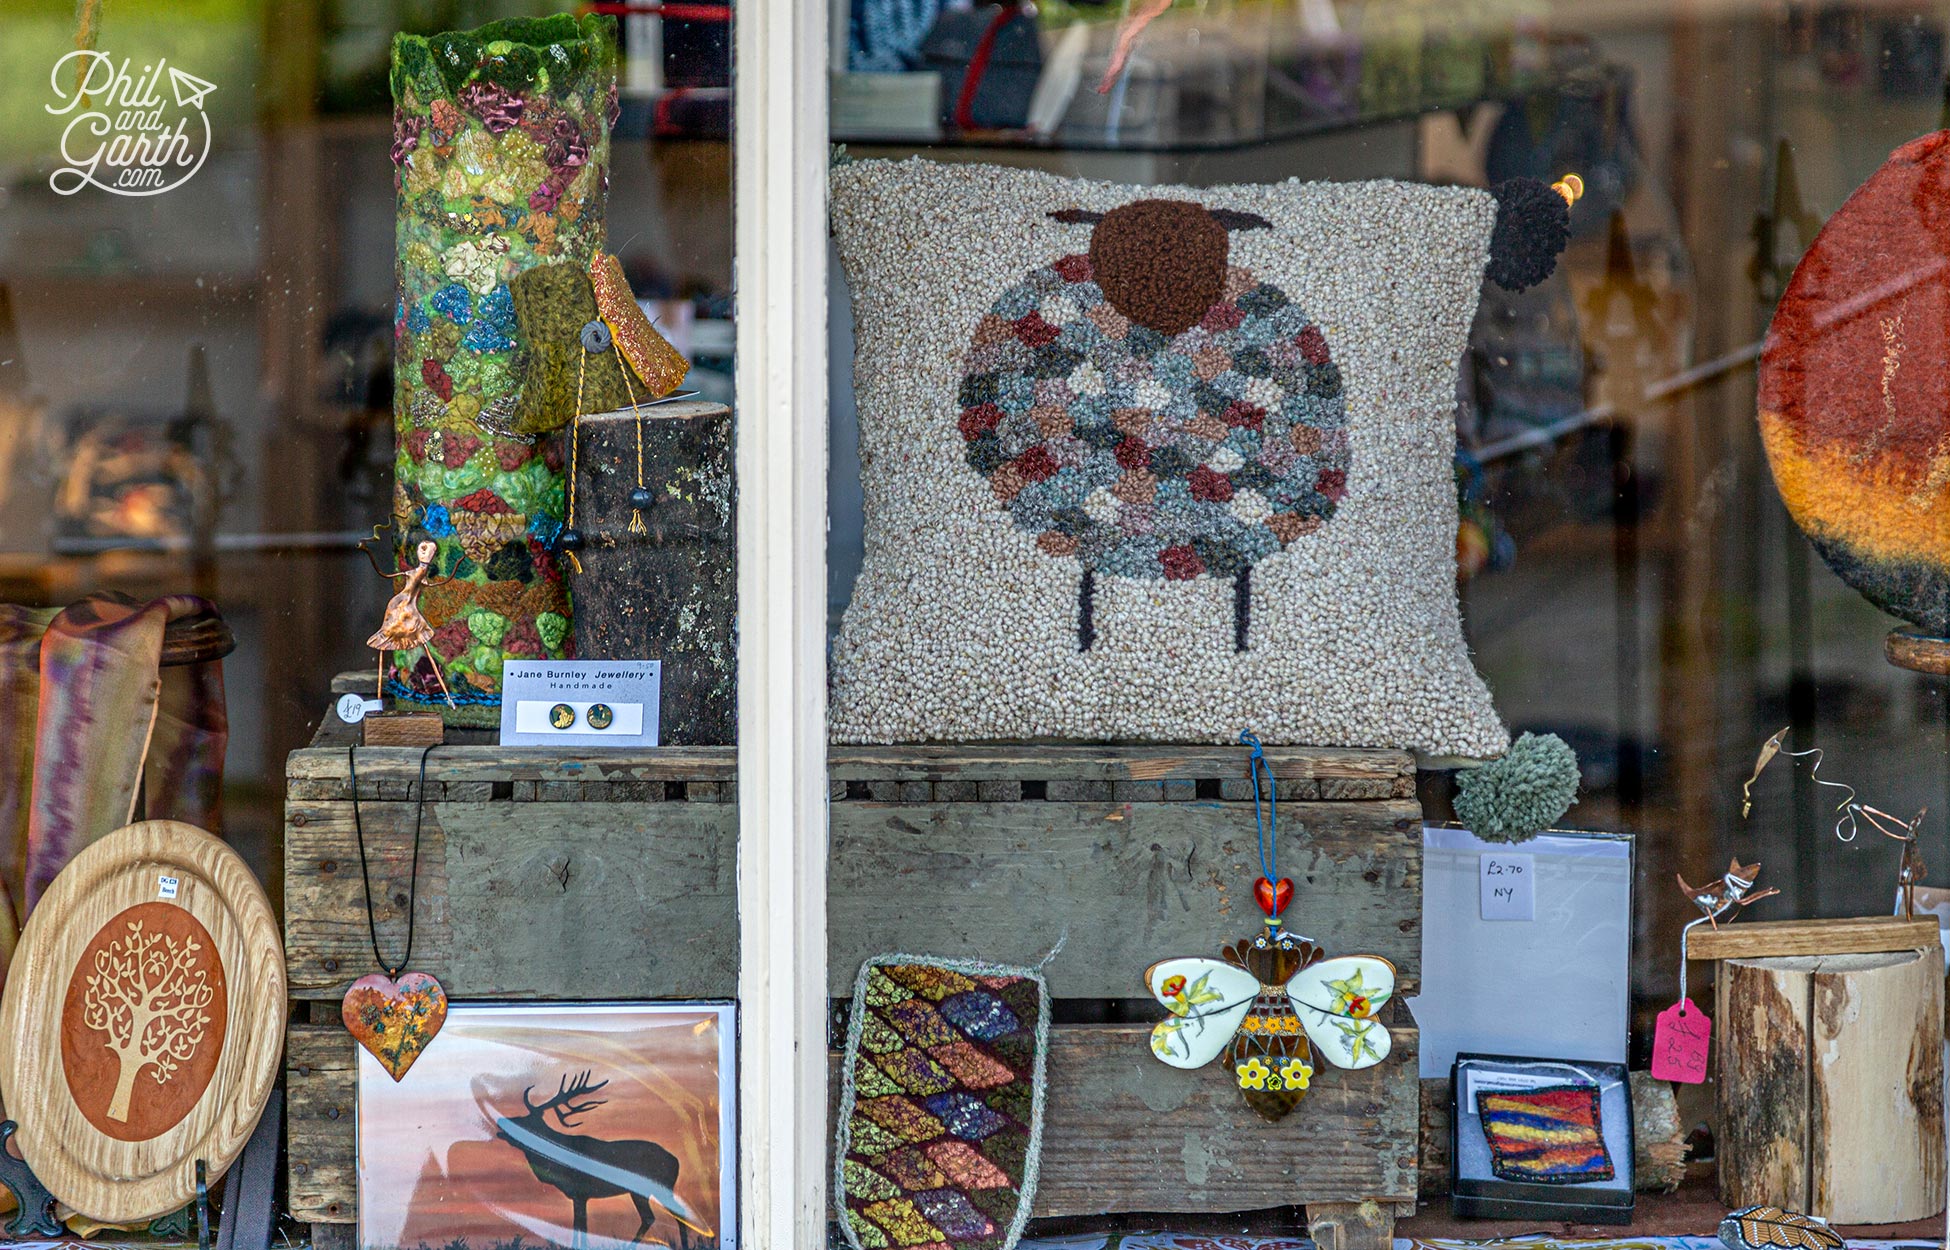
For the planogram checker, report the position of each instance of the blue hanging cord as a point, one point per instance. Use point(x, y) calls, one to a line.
point(1269, 848)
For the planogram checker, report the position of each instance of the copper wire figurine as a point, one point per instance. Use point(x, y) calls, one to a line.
point(1909, 873)
point(1734, 892)
point(404, 626)
point(1776, 745)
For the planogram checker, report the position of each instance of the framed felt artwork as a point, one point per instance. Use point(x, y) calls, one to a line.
point(144, 1020)
point(1156, 463)
point(1542, 1139)
point(565, 1125)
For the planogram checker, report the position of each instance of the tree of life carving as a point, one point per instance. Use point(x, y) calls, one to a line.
point(147, 993)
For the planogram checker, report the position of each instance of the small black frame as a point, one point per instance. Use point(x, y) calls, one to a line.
point(1475, 1192)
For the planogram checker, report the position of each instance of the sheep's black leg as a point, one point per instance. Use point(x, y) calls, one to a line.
point(1242, 602)
point(1087, 611)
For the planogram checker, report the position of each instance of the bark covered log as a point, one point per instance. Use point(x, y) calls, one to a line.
point(1830, 1091)
point(670, 592)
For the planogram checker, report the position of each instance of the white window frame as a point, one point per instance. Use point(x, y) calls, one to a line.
point(779, 111)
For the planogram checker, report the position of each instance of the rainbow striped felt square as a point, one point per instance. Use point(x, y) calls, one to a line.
point(1553, 1135)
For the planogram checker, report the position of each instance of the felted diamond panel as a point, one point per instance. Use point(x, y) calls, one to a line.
point(1157, 463)
point(942, 1111)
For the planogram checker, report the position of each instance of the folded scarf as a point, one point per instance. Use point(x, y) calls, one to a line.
point(108, 720)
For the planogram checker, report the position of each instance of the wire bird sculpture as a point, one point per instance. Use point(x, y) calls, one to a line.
point(1909, 872)
point(1734, 892)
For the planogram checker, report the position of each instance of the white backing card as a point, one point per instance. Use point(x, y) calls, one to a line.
point(631, 691)
point(1556, 985)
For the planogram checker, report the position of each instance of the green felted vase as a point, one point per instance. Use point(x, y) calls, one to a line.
point(501, 159)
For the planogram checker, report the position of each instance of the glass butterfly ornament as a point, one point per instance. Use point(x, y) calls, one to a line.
point(1268, 1005)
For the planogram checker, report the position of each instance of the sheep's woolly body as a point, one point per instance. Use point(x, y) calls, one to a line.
point(1521, 795)
point(963, 627)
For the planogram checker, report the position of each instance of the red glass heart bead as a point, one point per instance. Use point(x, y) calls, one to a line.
point(1273, 898)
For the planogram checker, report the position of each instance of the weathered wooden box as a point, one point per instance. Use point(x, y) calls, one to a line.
point(612, 875)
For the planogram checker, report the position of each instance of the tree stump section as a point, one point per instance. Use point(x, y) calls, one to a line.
point(669, 593)
point(1830, 1092)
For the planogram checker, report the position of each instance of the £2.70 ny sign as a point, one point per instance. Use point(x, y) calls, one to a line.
point(125, 133)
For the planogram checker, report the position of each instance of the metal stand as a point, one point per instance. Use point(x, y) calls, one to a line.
point(248, 1192)
point(176, 1225)
point(203, 1241)
point(251, 1182)
point(36, 1218)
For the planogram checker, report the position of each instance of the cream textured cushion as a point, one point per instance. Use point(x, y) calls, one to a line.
point(1166, 472)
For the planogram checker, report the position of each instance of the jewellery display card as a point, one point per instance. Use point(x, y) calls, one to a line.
point(1546, 968)
point(582, 703)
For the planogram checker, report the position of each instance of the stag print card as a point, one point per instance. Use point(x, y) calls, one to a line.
point(551, 1126)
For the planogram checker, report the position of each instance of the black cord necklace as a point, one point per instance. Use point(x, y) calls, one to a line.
point(365, 873)
point(393, 1013)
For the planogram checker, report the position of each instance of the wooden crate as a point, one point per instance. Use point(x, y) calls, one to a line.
point(612, 875)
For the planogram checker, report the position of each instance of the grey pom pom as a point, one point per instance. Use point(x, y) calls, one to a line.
point(1521, 795)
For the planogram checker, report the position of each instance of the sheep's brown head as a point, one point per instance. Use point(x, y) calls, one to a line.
point(1162, 263)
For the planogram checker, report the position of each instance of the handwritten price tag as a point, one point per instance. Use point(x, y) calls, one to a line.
point(1509, 886)
point(1680, 1039)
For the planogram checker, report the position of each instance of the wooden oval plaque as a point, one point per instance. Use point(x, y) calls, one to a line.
point(145, 1010)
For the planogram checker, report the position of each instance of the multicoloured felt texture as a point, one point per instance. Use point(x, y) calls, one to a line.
point(1194, 455)
point(941, 1115)
point(1551, 1135)
point(1153, 463)
point(1855, 388)
point(501, 153)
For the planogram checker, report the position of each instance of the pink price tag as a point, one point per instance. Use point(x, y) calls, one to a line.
point(1679, 1043)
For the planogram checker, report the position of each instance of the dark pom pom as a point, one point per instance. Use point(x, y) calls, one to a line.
point(642, 497)
point(569, 540)
point(1533, 223)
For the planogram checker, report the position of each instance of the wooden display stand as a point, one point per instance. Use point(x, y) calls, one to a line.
point(403, 729)
point(611, 875)
point(1830, 1092)
point(1918, 652)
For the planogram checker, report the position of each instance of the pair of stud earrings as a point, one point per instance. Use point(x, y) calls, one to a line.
point(599, 716)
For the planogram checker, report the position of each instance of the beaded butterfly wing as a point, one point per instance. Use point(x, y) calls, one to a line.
point(1267, 1005)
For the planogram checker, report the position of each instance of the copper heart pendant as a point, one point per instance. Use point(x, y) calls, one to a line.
point(395, 1020)
point(1272, 899)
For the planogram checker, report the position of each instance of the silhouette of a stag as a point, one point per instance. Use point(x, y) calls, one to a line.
point(585, 1167)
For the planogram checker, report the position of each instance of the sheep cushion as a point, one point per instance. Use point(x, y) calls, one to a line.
point(1157, 463)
